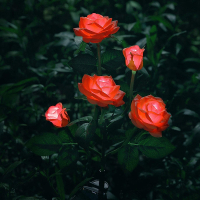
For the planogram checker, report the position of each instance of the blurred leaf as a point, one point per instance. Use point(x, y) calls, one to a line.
point(79, 186)
point(81, 48)
point(66, 34)
point(16, 87)
point(60, 185)
point(131, 5)
point(67, 156)
point(144, 71)
point(156, 148)
point(153, 34)
point(11, 30)
point(81, 97)
point(150, 49)
point(163, 21)
point(112, 59)
point(128, 157)
point(83, 63)
point(197, 60)
point(155, 4)
point(176, 34)
point(12, 167)
point(45, 144)
point(78, 40)
point(186, 111)
point(178, 48)
point(170, 16)
point(82, 119)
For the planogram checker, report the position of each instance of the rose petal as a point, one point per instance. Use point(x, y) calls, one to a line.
point(94, 16)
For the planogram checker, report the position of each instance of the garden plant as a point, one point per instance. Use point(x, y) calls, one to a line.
point(98, 104)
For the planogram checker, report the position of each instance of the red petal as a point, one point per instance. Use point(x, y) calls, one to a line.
point(94, 16)
point(137, 61)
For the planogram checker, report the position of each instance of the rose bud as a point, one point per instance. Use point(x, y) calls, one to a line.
point(133, 57)
point(94, 28)
point(101, 90)
point(149, 113)
point(57, 115)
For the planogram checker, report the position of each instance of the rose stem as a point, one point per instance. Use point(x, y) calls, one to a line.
point(130, 93)
point(99, 59)
point(131, 86)
point(102, 173)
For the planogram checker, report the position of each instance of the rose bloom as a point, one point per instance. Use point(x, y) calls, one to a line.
point(133, 57)
point(57, 115)
point(149, 113)
point(101, 90)
point(94, 28)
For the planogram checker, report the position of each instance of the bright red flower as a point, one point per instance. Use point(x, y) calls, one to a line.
point(133, 57)
point(101, 90)
point(149, 113)
point(94, 28)
point(57, 115)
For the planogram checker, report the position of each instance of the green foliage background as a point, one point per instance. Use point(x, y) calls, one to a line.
point(37, 70)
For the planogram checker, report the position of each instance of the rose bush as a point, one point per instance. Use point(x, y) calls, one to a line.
point(101, 90)
point(149, 113)
point(94, 28)
point(57, 115)
point(133, 57)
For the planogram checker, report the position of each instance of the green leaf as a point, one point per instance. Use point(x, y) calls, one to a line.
point(64, 137)
point(83, 134)
point(128, 157)
point(176, 34)
point(78, 187)
point(112, 59)
point(115, 123)
point(156, 148)
point(81, 48)
point(45, 144)
point(84, 63)
point(150, 49)
point(197, 60)
point(12, 167)
point(82, 119)
point(153, 34)
point(144, 71)
point(67, 156)
point(116, 136)
point(60, 185)
point(124, 87)
point(73, 129)
point(163, 21)
point(81, 97)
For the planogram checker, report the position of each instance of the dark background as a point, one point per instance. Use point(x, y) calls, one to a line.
point(37, 43)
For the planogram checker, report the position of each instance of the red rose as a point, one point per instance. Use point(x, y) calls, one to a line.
point(101, 90)
point(94, 28)
point(57, 115)
point(150, 114)
point(133, 57)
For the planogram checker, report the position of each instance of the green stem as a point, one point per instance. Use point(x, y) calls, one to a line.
point(103, 132)
point(131, 92)
point(131, 86)
point(99, 59)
